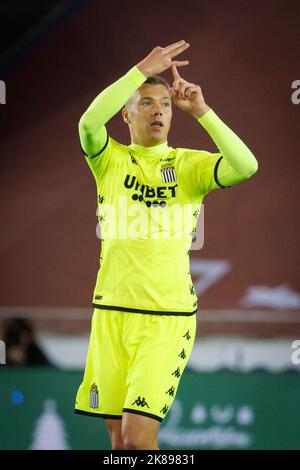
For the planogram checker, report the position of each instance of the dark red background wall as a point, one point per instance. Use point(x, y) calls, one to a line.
point(245, 55)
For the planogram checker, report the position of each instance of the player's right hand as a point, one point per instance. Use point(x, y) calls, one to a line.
point(160, 58)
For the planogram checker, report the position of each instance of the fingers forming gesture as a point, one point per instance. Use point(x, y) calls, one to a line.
point(187, 96)
point(160, 58)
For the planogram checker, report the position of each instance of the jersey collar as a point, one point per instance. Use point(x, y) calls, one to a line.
point(155, 149)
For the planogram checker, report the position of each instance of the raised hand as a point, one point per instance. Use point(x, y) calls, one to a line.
point(160, 58)
point(187, 96)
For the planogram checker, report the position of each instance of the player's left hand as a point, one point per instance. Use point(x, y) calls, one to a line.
point(187, 96)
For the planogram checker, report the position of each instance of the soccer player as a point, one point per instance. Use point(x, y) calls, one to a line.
point(144, 319)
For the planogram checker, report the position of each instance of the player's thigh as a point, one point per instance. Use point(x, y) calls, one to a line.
point(157, 360)
point(114, 427)
point(139, 431)
point(103, 389)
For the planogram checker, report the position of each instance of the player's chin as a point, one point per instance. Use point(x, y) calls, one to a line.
point(159, 130)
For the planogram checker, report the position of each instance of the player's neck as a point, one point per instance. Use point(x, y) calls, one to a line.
point(140, 149)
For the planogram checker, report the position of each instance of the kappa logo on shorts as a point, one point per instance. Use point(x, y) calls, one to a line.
point(164, 409)
point(176, 372)
point(140, 402)
point(187, 335)
point(94, 396)
point(182, 354)
point(98, 297)
point(171, 391)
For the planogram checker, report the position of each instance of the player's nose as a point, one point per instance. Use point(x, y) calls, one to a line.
point(157, 109)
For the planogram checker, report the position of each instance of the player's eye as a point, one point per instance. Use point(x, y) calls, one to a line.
point(167, 103)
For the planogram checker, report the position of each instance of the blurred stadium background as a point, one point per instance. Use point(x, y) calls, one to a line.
point(242, 386)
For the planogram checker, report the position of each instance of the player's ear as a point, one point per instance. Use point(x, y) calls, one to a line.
point(125, 114)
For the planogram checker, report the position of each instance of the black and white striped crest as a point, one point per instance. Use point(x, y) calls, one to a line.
point(168, 174)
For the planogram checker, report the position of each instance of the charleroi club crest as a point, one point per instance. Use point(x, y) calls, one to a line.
point(168, 173)
point(94, 398)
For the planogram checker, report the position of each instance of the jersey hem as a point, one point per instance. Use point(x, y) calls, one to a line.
point(137, 310)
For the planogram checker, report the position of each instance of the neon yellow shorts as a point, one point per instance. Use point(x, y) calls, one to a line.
point(134, 363)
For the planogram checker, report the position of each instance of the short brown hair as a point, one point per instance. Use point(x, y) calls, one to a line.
point(153, 80)
point(157, 80)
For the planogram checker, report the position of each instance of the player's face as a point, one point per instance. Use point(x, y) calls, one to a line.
point(150, 103)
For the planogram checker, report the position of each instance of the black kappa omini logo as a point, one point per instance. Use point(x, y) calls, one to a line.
point(192, 290)
point(182, 354)
point(151, 196)
point(176, 373)
point(171, 391)
point(133, 160)
point(140, 402)
point(164, 409)
point(187, 335)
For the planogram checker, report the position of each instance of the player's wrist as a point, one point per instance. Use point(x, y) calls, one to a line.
point(198, 113)
point(142, 68)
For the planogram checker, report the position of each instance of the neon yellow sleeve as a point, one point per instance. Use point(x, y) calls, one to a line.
point(238, 162)
point(92, 131)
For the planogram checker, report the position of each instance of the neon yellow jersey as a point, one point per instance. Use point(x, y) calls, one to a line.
point(149, 199)
point(148, 206)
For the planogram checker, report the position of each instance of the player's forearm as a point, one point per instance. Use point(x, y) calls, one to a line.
point(110, 101)
point(233, 149)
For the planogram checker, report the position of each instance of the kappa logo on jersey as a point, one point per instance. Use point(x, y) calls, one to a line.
point(192, 289)
point(144, 192)
point(168, 173)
